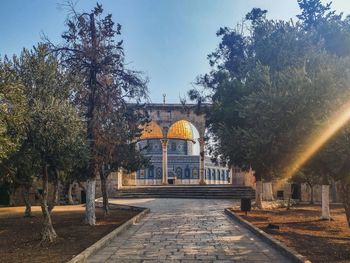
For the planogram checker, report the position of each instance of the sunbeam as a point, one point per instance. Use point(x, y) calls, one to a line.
point(317, 140)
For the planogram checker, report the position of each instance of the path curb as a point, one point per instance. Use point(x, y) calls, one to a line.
point(290, 253)
point(83, 256)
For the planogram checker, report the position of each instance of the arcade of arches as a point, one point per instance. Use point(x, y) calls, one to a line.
point(174, 141)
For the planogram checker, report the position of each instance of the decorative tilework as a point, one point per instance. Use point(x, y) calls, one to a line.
point(180, 164)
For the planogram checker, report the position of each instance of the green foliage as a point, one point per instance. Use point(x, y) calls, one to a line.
point(314, 12)
point(55, 130)
point(272, 88)
point(41, 74)
point(53, 133)
point(12, 110)
point(305, 176)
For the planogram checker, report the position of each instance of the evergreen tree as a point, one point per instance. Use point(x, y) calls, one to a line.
point(273, 87)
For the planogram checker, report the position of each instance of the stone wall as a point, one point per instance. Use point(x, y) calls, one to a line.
point(112, 185)
point(17, 197)
point(78, 193)
point(242, 178)
point(305, 192)
point(167, 114)
point(129, 179)
point(283, 190)
point(334, 194)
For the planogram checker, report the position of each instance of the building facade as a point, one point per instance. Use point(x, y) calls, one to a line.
point(174, 142)
point(183, 165)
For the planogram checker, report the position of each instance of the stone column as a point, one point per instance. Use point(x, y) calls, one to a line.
point(120, 174)
point(201, 160)
point(232, 173)
point(165, 160)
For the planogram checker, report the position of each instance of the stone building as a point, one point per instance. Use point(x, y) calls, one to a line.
point(174, 140)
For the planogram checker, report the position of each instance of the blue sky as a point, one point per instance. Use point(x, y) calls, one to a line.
point(166, 39)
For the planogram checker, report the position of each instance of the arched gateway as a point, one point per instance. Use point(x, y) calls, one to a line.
point(171, 141)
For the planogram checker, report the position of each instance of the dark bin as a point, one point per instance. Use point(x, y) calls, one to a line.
point(280, 195)
point(246, 205)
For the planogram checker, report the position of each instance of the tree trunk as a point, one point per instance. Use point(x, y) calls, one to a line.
point(92, 123)
point(345, 193)
point(48, 233)
point(28, 210)
point(104, 191)
point(70, 197)
point(312, 195)
point(267, 191)
point(10, 192)
point(290, 196)
point(334, 191)
point(258, 194)
point(54, 201)
point(90, 217)
point(325, 203)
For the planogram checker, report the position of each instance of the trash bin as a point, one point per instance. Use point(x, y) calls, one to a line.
point(246, 205)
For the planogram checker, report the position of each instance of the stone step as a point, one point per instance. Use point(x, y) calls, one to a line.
point(188, 197)
point(207, 192)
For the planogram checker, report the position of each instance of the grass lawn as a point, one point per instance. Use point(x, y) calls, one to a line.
point(302, 229)
point(20, 236)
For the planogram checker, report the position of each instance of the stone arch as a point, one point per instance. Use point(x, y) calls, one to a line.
point(164, 118)
point(167, 114)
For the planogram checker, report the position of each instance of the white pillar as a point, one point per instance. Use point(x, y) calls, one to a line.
point(165, 160)
point(120, 174)
point(325, 203)
point(201, 160)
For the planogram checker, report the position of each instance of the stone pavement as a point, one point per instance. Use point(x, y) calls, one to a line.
point(186, 230)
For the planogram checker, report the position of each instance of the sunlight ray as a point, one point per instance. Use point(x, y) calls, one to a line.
point(317, 140)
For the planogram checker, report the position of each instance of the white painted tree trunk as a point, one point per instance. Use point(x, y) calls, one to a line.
point(119, 179)
point(90, 217)
point(70, 197)
point(325, 203)
point(267, 191)
point(258, 194)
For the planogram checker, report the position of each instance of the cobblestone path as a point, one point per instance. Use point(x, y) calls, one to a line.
point(186, 230)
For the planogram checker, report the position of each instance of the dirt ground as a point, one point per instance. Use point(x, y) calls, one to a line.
point(302, 229)
point(20, 237)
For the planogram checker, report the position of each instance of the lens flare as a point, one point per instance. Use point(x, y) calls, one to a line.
point(317, 140)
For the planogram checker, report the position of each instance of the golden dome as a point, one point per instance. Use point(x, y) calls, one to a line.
point(151, 131)
point(181, 130)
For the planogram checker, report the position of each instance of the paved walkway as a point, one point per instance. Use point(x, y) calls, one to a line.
point(186, 230)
